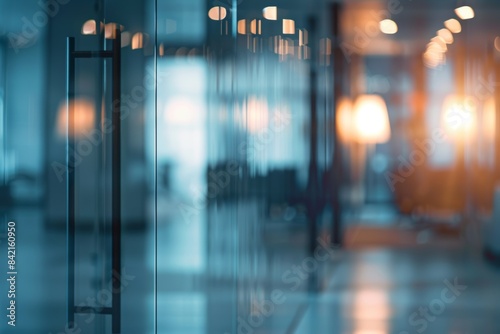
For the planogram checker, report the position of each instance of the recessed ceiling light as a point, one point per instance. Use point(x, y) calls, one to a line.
point(438, 40)
point(465, 12)
point(388, 26)
point(217, 13)
point(270, 13)
point(288, 27)
point(453, 25)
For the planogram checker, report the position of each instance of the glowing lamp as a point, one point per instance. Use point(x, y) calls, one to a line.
point(459, 117)
point(371, 120)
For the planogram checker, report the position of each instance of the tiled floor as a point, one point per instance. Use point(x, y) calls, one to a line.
point(219, 289)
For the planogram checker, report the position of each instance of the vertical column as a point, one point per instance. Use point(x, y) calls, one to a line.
point(70, 162)
point(116, 186)
point(313, 198)
point(338, 62)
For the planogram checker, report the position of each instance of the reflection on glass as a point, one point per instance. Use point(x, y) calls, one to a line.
point(84, 117)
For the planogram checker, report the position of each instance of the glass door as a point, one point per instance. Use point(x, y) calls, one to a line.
point(77, 186)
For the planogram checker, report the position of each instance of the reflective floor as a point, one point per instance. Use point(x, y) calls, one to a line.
point(357, 290)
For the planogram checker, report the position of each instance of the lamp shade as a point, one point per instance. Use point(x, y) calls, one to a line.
point(458, 117)
point(371, 120)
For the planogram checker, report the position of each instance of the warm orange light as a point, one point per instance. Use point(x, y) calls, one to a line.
point(434, 56)
point(344, 120)
point(441, 42)
point(288, 27)
point(371, 120)
point(254, 114)
point(242, 27)
point(489, 119)
point(256, 27)
point(388, 27)
point(217, 13)
point(84, 118)
point(465, 12)
point(453, 25)
point(270, 13)
point(446, 35)
point(89, 28)
point(459, 117)
point(137, 41)
point(110, 30)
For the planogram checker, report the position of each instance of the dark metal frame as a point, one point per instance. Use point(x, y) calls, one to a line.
point(115, 56)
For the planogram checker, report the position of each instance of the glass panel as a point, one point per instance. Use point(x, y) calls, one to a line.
point(41, 129)
point(237, 165)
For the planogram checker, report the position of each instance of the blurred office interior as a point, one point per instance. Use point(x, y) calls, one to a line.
point(322, 166)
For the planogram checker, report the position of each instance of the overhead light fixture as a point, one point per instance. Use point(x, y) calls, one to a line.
point(440, 41)
point(110, 30)
point(288, 27)
point(446, 35)
point(371, 120)
point(435, 47)
point(89, 28)
point(137, 41)
point(242, 27)
point(465, 12)
point(270, 13)
point(388, 27)
point(256, 27)
point(217, 13)
point(453, 25)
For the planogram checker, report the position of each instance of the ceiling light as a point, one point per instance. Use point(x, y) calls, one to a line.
point(465, 12)
point(217, 13)
point(388, 26)
point(242, 27)
point(288, 27)
point(453, 25)
point(270, 13)
point(89, 28)
point(446, 35)
point(440, 41)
